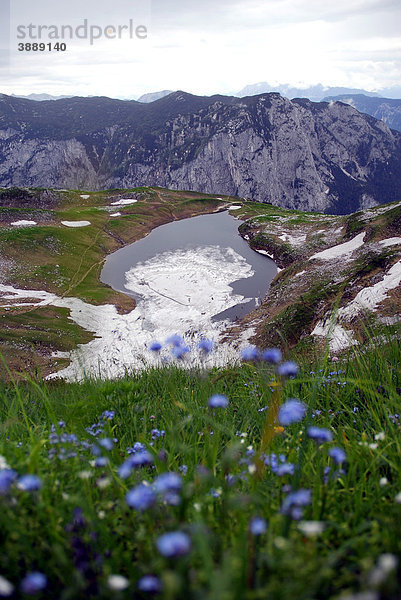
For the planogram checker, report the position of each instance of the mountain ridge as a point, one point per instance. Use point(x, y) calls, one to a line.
point(298, 154)
point(387, 110)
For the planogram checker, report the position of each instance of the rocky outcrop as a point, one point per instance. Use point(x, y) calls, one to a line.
point(298, 154)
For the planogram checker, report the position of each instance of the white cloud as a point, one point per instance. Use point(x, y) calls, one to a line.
point(214, 47)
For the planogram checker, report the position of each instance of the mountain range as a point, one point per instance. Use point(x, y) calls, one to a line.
point(316, 93)
point(298, 154)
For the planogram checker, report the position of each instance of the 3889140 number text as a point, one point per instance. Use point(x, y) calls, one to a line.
point(42, 47)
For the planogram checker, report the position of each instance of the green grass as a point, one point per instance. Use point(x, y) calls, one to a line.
point(78, 529)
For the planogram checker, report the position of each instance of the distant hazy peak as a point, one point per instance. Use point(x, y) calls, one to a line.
point(152, 96)
point(316, 93)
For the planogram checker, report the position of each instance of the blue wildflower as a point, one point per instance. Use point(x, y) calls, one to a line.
point(338, 455)
point(141, 459)
point(140, 497)
point(206, 346)
point(7, 476)
point(292, 411)
point(156, 433)
point(257, 526)
point(174, 544)
point(101, 461)
point(155, 347)
point(175, 340)
point(286, 469)
point(230, 480)
point(167, 482)
point(288, 369)
point(125, 469)
point(294, 503)
point(137, 447)
point(171, 498)
point(150, 584)
point(108, 415)
point(33, 583)
point(218, 401)
point(30, 483)
point(106, 443)
point(180, 351)
point(272, 355)
point(251, 353)
point(320, 434)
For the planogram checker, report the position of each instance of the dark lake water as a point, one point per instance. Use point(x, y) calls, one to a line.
point(218, 229)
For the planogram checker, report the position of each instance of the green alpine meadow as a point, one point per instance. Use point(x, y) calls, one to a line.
point(278, 477)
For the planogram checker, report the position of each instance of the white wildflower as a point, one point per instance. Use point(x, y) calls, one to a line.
point(3, 463)
point(85, 474)
point(103, 482)
point(311, 528)
point(6, 588)
point(117, 583)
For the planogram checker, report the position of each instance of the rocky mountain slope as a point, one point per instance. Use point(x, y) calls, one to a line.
point(338, 274)
point(298, 154)
point(386, 109)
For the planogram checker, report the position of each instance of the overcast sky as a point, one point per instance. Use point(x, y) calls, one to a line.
point(203, 46)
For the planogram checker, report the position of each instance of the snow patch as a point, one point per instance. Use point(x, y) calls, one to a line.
point(299, 274)
point(75, 223)
point(370, 297)
point(84, 196)
point(23, 223)
point(341, 250)
point(339, 338)
point(265, 253)
point(294, 240)
point(117, 214)
point(234, 207)
point(124, 202)
point(390, 242)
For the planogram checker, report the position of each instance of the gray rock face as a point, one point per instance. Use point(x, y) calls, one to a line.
point(298, 154)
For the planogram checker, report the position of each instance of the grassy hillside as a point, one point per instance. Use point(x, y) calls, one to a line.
point(259, 504)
